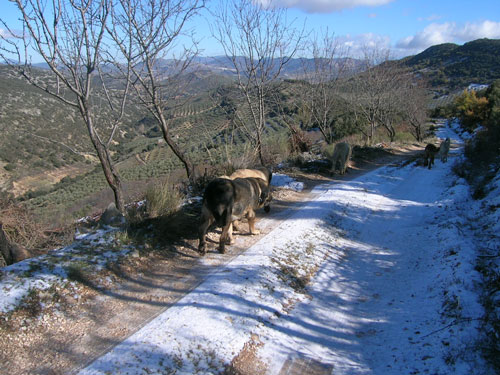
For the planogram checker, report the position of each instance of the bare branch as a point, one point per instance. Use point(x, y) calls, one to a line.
point(258, 42)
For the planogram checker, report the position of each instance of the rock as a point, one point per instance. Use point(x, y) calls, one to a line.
point(305, 157)
point(112, 217)
point(10, 252)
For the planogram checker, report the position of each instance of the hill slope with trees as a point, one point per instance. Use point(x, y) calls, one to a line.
point(451, 66)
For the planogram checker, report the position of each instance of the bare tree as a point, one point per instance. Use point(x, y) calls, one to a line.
point(415, 106)
point(367, 90)
point(318, 95)
point(70, 37)
point(146, 32)
point(393, 96)
point(258, 42)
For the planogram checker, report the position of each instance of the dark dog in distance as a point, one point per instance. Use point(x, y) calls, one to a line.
point(430, 154)
point(226, 200)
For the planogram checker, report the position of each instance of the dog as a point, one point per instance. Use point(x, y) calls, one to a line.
point(341, 155)
point(263, 173)
point(429, 154)
point(444, 148)
point(225, 201)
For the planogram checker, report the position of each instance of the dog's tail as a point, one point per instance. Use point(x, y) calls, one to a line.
point(219, 196)
point(220, 213)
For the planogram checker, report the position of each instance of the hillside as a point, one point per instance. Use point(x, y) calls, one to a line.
point(450, 66)
point(46, 158)
point(372, 272)
point(44, 140)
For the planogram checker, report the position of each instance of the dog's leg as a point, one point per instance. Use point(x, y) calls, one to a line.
point(251, 223)
point(229, 239)
point(226, 235)
point(236, 224)
point(223, 238)
point(205, 222)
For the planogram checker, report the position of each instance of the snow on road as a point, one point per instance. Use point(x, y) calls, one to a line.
point(372, 276)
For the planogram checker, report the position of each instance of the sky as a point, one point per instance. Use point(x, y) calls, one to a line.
point(406, 27)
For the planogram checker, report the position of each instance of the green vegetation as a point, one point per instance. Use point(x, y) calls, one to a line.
point(41, 136)
point(449, 66)
point(483, 159)
point(471, 109)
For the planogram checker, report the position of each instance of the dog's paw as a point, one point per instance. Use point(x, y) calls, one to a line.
point(202, 249)
point(255, 232)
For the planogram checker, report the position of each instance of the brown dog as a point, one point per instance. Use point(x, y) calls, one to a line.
point(429, 155)
point(263, 173)
point(228, 200)
point(258, 172)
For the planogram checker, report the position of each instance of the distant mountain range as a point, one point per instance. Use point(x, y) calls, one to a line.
point(453, 66)
point(447, 66)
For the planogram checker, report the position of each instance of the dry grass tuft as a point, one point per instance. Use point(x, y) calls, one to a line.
point(162, 199)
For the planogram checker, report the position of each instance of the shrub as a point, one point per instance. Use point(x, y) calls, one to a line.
point(9, 167)
point(24, 228)
point(162, 199)
point(278, 148)
point(404, 137)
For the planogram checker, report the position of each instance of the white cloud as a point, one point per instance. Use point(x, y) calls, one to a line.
point(449, 32)
point(323, 6)
point(357, 45)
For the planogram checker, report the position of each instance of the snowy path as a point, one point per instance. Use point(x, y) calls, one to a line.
point(384, 248)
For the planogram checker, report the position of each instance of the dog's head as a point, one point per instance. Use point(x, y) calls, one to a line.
point(265, 198)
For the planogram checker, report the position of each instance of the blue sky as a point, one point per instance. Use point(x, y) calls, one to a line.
point(405, 27)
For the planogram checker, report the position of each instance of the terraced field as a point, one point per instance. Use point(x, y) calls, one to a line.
point(201, 128)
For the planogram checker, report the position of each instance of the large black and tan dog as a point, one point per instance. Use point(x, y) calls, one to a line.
point(263, 173)
point(227, 200)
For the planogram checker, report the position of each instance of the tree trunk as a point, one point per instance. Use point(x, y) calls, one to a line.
point(390, 131)
point(259, 149)
point(110, 173)
point(419, 134)
point(162, 121)
point(112, 178)
point(188, 166)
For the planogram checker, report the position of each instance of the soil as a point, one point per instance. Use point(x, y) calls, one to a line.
point(74, 329)
point(47, 179)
